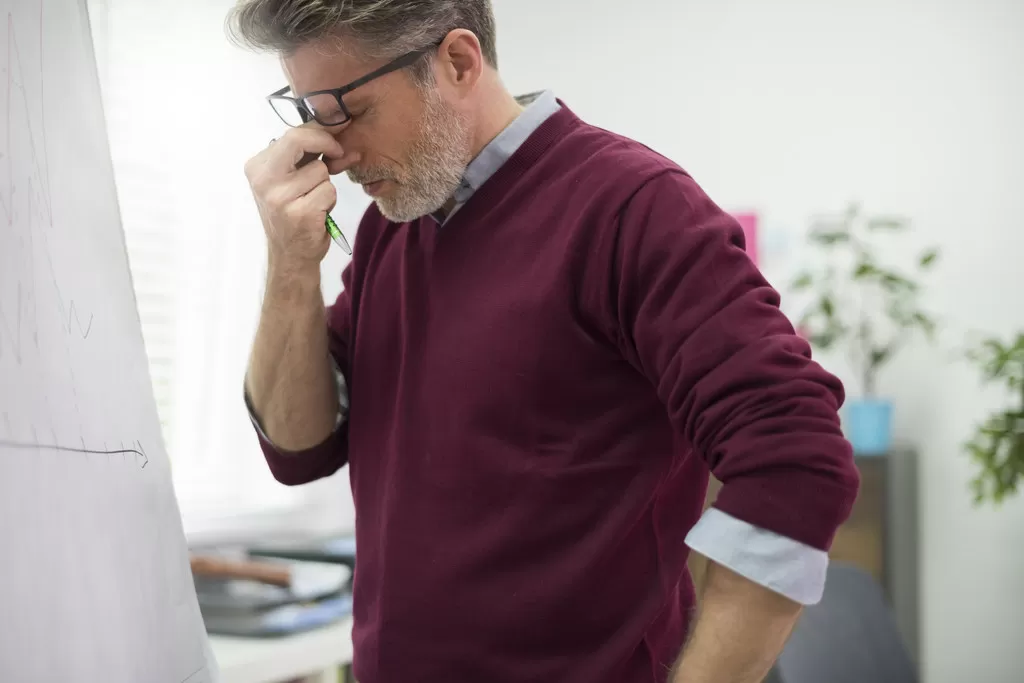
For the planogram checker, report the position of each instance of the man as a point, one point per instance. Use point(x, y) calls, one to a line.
point(548, 335)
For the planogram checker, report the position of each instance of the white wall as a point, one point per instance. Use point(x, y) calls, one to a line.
point(792, 107)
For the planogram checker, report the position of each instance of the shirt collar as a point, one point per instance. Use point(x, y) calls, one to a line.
point(539, 106)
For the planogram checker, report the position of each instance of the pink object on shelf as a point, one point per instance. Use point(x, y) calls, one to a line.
point(748, 221)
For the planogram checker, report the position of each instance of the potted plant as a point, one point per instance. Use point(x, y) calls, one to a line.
point(868, 309)
point(997, 445)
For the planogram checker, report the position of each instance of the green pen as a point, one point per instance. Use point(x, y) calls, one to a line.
point(337, 235)
point(332, 228)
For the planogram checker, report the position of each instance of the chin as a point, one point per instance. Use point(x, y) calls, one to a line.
point(397, 213)
point(398, 209)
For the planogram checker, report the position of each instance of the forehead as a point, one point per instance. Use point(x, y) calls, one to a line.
point(324, 65)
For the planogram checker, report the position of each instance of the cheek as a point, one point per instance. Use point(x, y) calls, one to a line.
point(380, 143)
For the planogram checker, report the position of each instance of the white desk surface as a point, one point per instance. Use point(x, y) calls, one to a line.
point(270, 660)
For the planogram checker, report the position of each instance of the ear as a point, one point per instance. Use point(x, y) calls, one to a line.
point(460, 61)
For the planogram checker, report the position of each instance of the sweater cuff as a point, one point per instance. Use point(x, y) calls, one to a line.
point(293, 468)
point(804, 506)
point(780, 564)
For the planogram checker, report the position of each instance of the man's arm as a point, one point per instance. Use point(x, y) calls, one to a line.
point(290, 382)
point(740, 630)
point(699, 320)
point(294, 385)
point(298, 366)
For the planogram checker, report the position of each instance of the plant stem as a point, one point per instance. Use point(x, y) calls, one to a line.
point(867, 371)
point(1020, 416)
point(1020, 434)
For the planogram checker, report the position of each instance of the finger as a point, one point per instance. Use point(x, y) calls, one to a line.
point(321, 198)
point(299, 183)
point(309, 176)
point(342, 164)
point(297, 143)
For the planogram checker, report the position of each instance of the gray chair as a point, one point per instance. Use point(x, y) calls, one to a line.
point(848, 637)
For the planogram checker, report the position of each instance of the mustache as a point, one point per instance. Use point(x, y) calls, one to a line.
point(367, 175)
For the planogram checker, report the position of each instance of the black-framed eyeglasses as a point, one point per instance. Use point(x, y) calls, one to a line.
point(327, 107)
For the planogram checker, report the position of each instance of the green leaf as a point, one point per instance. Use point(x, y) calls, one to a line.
point(926, 324)
point(897, 283)
point(864, 270)
point(827, 307)
point(997, 359)
point(823, 340)
point(928, 258)
point(878, 357)
point(886, 223)
point(803, 282)
point(829, 238)
point(985, 352)
point(997, 449)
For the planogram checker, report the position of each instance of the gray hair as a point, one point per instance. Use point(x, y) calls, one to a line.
point(380, 28)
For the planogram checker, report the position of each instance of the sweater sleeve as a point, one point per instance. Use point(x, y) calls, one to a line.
point(301, 467)
point(699, 320)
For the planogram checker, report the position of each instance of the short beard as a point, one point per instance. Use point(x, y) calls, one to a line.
point(434, 165)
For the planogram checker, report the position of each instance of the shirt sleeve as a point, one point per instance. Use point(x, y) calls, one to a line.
point(700, 321)
point(790, 568)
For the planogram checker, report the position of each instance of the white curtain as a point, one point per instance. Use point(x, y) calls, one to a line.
point(185, 109)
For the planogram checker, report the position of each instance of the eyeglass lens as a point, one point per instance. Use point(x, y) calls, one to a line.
point(288, 112)
point(324, 106)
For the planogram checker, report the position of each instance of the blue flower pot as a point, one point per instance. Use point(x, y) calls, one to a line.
point(868, 426)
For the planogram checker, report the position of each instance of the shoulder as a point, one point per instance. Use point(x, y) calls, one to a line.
point(640, 213)
point(615, 173)
point(617, 155)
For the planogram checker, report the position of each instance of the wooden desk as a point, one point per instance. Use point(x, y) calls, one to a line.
point(315, 656)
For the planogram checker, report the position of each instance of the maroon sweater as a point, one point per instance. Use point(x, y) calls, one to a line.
point(538, 390)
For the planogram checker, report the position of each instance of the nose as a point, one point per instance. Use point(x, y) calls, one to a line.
point(349, 142)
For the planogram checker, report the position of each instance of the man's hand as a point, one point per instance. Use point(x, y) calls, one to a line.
point(741, 629)
point(294, 199)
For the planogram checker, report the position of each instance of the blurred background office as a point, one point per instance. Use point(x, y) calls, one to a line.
point(784, 111)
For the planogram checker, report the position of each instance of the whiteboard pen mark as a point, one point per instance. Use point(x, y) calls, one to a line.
point(194, 674)
point(37, 445)
point(35, 193)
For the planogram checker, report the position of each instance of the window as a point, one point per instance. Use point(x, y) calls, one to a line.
point(184, 111)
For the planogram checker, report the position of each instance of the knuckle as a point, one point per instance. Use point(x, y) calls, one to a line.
point(258, 182)
point(254, 169)
point(275, 198)
point(322, 172)
point(296, 135)
point(292, 213)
